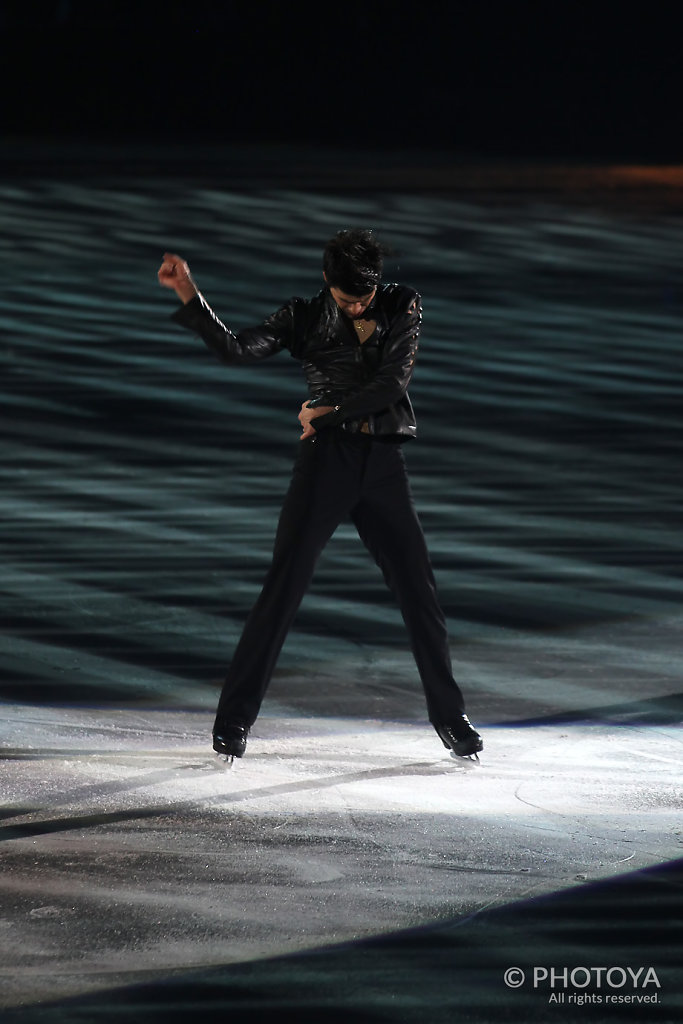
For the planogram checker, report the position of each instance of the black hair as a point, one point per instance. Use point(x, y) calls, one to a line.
point(353, 261)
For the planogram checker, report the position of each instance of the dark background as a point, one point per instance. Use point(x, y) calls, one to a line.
point(564, 80)
point(141, 484)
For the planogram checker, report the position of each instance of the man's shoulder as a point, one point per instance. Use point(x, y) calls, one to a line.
point(396, 299)
point(398, 295)
point(292, 311)
point(300, 305)
point(301, 318)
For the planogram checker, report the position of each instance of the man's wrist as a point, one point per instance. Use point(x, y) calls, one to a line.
point(186, 291)
point(330, 418)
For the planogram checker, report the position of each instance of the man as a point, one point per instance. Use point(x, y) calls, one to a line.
point(356, 341)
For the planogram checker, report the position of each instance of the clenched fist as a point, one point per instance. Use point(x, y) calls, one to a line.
point(175, 273)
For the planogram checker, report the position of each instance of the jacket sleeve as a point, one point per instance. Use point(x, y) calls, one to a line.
point(390, 381)
point(248, 346)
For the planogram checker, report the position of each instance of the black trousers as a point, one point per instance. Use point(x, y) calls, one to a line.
point(336, 475)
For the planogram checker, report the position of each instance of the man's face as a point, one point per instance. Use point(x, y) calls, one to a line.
point(352, 305)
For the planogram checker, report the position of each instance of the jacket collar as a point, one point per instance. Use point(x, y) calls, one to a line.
point(375, 310)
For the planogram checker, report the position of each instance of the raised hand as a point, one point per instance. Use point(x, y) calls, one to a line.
point(175, 273)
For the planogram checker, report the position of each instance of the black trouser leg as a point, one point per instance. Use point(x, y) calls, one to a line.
point(324, 483)
point(387, 523)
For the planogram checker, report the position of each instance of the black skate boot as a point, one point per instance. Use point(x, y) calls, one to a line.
point(230, 740)
point(460, 738)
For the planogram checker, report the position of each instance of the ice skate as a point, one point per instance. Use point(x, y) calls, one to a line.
point(230, 741)
point(460, 738)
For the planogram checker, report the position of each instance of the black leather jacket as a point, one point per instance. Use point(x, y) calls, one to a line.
point(364, 383)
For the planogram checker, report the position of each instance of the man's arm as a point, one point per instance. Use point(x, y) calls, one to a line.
point(391, 379)
point(196, 315)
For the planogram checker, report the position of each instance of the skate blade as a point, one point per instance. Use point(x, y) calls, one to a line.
point(226, 759)
point(472, 758)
